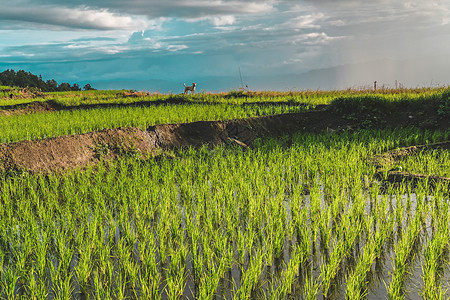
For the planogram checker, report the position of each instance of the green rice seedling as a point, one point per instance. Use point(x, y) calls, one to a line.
point(325, 229)
point(210, 281)
point(299, 256)
point(431, 289)
point(311, 287)
point(251, 276)
point(61, 283)
point(315, 207)
point(194, 235)
point(176, 278)
point(403, 252)
point(121, 282)
point(274, 228)
point(9, 283)
point(102, 288)
point(351, 227)
point(64, 251)
point(241, 239)
point(85, 267)
point(357, 287)
point(149, 277)
point(434, 254)
point(35, 289)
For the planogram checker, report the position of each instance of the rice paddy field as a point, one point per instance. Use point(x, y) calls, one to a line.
point(301, 216)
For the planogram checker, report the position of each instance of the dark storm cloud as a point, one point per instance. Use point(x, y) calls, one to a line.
point(54, 17)
point(172, 8)
point(109, 15)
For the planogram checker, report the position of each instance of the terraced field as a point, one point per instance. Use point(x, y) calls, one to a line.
point(225, 196)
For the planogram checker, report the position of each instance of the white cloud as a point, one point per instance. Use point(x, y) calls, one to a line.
point(223, 7)
point(223, 20)
point(293, 60)
point(314, 38)
point(174, 48)
point(306, 21)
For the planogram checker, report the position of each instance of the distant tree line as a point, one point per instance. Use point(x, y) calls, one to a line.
point(27, 80)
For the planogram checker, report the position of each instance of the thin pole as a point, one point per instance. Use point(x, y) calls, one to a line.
point(240, 75)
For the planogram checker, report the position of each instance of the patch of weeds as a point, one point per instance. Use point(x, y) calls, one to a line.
point(367, 109)
point(104, 149)
point(101, 150)
point(429, 124)
point(14, 171)
point(9, 169)
point(374, 122)
point(128, 151)
point(257, 143)
point(236, 94)
point(444, 105)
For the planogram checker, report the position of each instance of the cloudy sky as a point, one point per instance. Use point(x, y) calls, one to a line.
point(158, 45)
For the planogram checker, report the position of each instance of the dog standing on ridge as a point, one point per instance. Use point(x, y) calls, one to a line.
point(189, 88)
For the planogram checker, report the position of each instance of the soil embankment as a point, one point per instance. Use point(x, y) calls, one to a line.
point(69, 152)
point(72, 151)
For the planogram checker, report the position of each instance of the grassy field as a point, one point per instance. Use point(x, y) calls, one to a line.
point(85, 98)
point(301, 216)
point(42, 125)
point(87, 111)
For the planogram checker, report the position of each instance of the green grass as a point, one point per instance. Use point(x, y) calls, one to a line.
point(50, 124)
point(237, 97)
point(82, 113)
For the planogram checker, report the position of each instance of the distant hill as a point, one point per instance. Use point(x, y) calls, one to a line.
point(387, 73)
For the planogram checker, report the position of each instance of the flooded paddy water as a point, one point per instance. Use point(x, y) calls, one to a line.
point(299, 218)
point(377, 278)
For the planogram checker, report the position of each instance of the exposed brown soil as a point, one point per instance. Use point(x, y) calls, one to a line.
point(397, 176)
point(68, 152)
point(243, 131)
point(27, 108)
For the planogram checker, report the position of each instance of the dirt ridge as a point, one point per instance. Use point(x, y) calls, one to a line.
point(396, 176)
point(74, 151)
point(78, 151)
